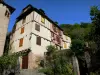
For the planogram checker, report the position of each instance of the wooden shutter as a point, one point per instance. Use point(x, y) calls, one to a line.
point(25, 62)
point(42, 19)
point(37, 27)
point(22, 30)
point(38, 41)
point(21, 42)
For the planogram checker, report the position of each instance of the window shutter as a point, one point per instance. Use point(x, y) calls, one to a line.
point(42, 19)
point(21, 42)
point(38, 41)
point(37, 27)
point(22, 30)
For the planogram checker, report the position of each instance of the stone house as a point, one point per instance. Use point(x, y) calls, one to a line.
point(34, 31)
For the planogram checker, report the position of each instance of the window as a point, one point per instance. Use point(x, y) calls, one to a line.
point(65, 45)
point(58, 30)
point(37, 27)
point(58, 39)
point(7, 14)
point(42, 19)
point(60, 33)
point(21, 42)
point(38, 41)
point(22, 30)
point(24, 19)
point(52, 34)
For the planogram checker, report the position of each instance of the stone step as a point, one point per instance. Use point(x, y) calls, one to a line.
point(30, 72)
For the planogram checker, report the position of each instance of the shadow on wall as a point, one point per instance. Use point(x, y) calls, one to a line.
point(11, 74)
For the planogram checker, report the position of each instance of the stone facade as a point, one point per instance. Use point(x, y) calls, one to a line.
point(5, 12)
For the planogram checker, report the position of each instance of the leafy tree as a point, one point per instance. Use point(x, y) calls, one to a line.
point(76, 26)
point(77, 31)
point(67, 28)
point(79, 34)
point(57, 62)
point(95, 37)
point(77, 47)
point(95, 32)
point(8, 62)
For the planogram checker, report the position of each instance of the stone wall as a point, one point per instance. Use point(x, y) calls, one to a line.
point(4, 20)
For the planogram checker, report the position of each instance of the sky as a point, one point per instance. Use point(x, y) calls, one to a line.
point(62, 11)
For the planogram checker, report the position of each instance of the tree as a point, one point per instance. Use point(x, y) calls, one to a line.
point(79, 35)
point(57, 62)
point(95, 32)
point(67, 28)
point(78, 50)
point(8, 62)
point(77, 47)
point(95, 37)
point(77, 31)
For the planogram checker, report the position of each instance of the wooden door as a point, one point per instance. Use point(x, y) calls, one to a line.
point(25, 62)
